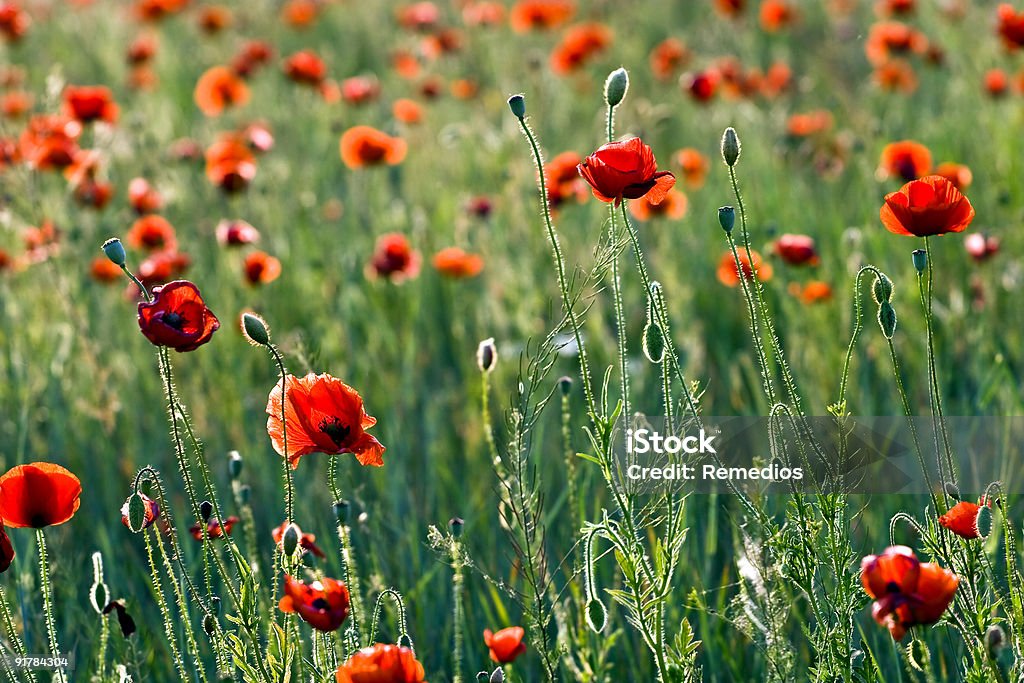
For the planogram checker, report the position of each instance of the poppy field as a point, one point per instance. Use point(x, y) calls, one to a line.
point(322, 323)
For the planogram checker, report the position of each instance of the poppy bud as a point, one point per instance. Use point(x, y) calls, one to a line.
point(920, 257)
point(565, 384)
point(995, 638)
point(727, 218)
point(983, 522)
point(456, 524)
point(654, 342)
point(730, 146)
point(244, 492)
point(486, 355)
point(99, 595)
point(215, 601)
point(210, 624)
point(615, 87)
point(483, 677)
point(136, 513)
point(497, 676)
point(882, 289)
point(597, 615)
point(115, 251)
point(234, 464)
point(255, 329)
point(290, 540)
point(518, 106)
point(887, 319)
point(952, 490)
point(205, 510)
point(342, 510)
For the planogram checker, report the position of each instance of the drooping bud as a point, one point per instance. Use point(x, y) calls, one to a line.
point(882, 289)
point(136, 513)
point(727, 218)
point(952, 490)
point(615, 87)
point(215, 601)
point(565, 384)
point(983, 522)
point(518, 106)
point(887, 319)
point(486, 355)
point(456, 524)
point(255, 329)
point(342, 510)
point(995, 639)
point(99, 595)
point(115, 251)
point(210, 624)
point(497, 676)
point(205, 510)
point(290, 539)
point(234, 464)
point(654, 342)
point(597, 615)
point(920, 257)
point(730, 146)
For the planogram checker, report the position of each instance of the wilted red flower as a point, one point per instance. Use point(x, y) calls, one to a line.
point(219, 88)
point(929, 206)
point(889, 38)
point(394, 258)
point(578, 45)
point(49, 141)
point(506, 644)
point(672, 206)
point(323, 604)
point(668, 57)
point(981, 247)
point(905, 159)
point(261, 268)
point(456, 263)
point(381, 664)
point(305, 67)
point(962, 519)
point(230, 164)
point(813, 292)
point(253, 55)
point(160, 267)
point(38, 495)
point(796, 250)
point(324, 415)
point(366, 146)
point(213, 528)
point(803, 125)
point(776, 14)
point(958, 174)
point(626, 170)
point(235, 233)
point(102, 269)
point(143, 197)
point(14, 21)
point(729, 275)
point(151, 508)
point(6, 550)
point(152, 233)
point(1011, 26)
point(701, 86)
point(306, 541)
point(214, 18)
point(483, 13)
point(906, 591)
point(360, 89)
point(177, 317)
point(528, 15)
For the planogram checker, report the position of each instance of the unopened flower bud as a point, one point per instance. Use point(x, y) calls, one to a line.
point(983, 522)
point(597, 615)
point(210, 624)
point(115, 251)
point(205, 510)
point(882, 289)
point(887, 319)
point(654, 342)
point(487, 355)
point(952, 490)
point(995, 639)
point(136, 513)
point(342, 510)
point(730, 146)
point(255, 329)
point(920, 257)
point(483, 677)
point(456, 524)
point(244, 493)
point(518, 106)
point(497, 676)
point(215, 601)
point(234, 464)
point(290, 540)
point(615, 87)
point(727, 218)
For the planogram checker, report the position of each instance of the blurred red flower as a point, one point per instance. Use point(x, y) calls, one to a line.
point(230, 164)
point(177, 317)
point(579, 44)
point(906, 591)
point(143, 197)
point(152, 233)
point(905, 159)
point(38, 495)
point(234, 233)
point(253, 55)
point(407, 111)
point(796, 250)
point(625, 170)
point(981, 247)
point(261, 268)
point(214, 18)
point(958, 174)
point(529, 15)
point(693, 165)
point(673, 207)
point(456, 263)
point(14, 21)
point(776, 15)
point(483, 13)
point(381, 664)
point(929, 206)
point(506, 644)
point(306, 541)
point(365, 146)
point(155, 10)
point(730, 8)
point(305, 67)
point(103, 270)
point(49, 141)
point(394, 258)
point(219, 88)
point(888, 38)
point(360, 89)
point(1011, 26)
point(214, 528)
point(324, 415)
point(729, 275)
point(813, 292)
point(701, 86)
point(419, 16)
point(160, 267)
point(668, 57)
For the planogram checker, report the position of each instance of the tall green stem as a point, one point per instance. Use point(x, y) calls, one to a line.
point(47, 591)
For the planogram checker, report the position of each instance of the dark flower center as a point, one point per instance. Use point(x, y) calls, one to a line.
point(334, 428)
point(174, 319)
point(321, 605)
point(892, 587)
point(40, 520)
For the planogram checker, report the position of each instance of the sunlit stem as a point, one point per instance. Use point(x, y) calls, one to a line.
point(47, 591)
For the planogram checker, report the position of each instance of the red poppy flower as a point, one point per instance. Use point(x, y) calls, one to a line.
point(236, 233)
point(381, 664)
point(306, 541)
point(6, 550)
point(155, 10)
point(16, 103)
point(259, 137)
point(253, 55)
point(958, 174)
point(103, 270)
point(143, 197)
point(38, 495)
point(563, 180)
point(804, 125)
point(151, 508)
point(483, 13)
point(730, 8)
point(693, 165)
point(213, 528)
point(796, 250)
point(219, 88)
point(261, 268)
point(673, 206)
point(160, 268)
point(888, 38)
point(365, 146)
point(962, 519)
point(324, 415)
point(929, 206)
point(701, 86)
point(230, 164)
point(981, 247)
point(1011, 26)
point(360, 89)
point(896, 75)
point(456, 263)
point(152, 233)
point(49, 141)
point(407, 111)
point(14, 21)
point(813, 292)
point(996, 82)
point(906, 591)
point(578, 45)
point(214, 19)
point(506, 644)
point(728, 274)
point(626, 170)
point(906, 159)
point(394, 258)
point(41, 242)
point(668, 57)
point(419, 16)
point(177, 317)
point(142, 49)
point(776, 14)
point(300, 13)
point(90, 103)
point(305, 67)
point(322, 604)
point(528, 15)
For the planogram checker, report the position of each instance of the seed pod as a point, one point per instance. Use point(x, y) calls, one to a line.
point(115, 251)
point(565, 384)
point(342, 509)
point(920, 257)
point(136, 513)
point(244, 493)
point(518, 106)
point(882, 289)
point(255, 329)
point(456, 524)
point(654, 342)
point(730, 146)
point(887, 319)
point(615, 87)
point(727, 218)
point(597, 615)
point(234, 464)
